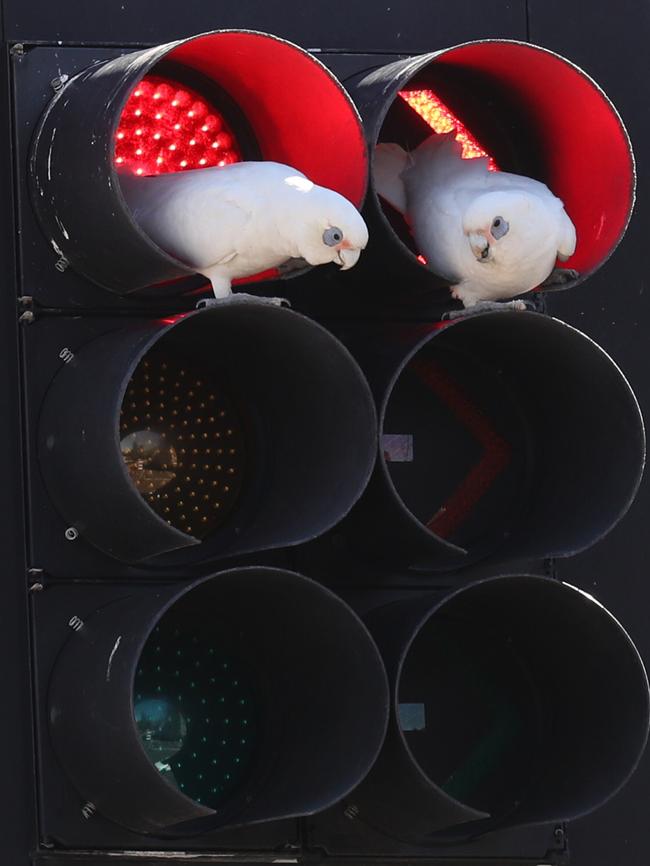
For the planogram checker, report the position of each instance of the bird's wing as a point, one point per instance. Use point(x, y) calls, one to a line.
point(390, 160)
point(198, 218)
point(440, 173)
point(441, 157)
point(567, 239)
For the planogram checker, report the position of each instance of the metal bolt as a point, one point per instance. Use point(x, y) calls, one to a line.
point(351, 812)
point(27, 317)
point(75, 622)
point(58, 82)
point(71, 534)
point(18, 49)
point(88, 810)
point(558, 835)
point(36, 587)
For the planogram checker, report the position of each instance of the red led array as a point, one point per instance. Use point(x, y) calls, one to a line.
point(166, 127)
point(441, 119)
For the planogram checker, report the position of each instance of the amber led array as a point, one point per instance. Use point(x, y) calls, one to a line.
point(183, 443)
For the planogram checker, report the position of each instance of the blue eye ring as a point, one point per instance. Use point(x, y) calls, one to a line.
point(499, 228)
point(332, 236)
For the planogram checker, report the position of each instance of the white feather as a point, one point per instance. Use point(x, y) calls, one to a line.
point(240, 219)
point(451, 202)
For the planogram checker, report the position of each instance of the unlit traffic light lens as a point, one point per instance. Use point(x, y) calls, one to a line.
point(182, 442)
point(490, 725)
point(465, 484)
point(196, 709)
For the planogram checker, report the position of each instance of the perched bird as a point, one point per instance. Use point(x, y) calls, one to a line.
point(240, 219)
point(493, 235)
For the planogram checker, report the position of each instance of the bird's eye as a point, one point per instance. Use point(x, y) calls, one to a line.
point(499, 227)
point(332, 236)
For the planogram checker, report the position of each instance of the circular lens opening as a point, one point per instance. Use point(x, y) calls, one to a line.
point(183, 442)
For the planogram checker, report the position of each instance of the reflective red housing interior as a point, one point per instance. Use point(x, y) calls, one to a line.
point(299, 113)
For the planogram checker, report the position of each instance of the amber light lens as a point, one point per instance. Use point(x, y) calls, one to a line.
point(168, 127)
point(183, 443)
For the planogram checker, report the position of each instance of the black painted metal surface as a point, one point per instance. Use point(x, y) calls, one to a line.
point(613, 307)
point(610, 44)
point(405, 26)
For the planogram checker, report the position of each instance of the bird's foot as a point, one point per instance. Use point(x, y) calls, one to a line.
point(241, 296)
point(488, 307)
point(558, 279)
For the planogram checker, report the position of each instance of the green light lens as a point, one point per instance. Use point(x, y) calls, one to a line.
point(470, 713)
point(195, 708)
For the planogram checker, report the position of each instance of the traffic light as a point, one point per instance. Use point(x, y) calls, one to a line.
point(256, 97)
point(183, 429)
point(533, 112)
point(494, 431)
point(291, 569)
point(251, 695)
point(478, 740)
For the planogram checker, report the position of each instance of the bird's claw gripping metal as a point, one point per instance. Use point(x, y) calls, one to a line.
point(241, 296)
point(489, 307)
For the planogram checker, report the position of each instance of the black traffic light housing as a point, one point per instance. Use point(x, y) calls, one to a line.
point(512, 416)
point(535, 112)
point(305, 671)
point(71, 363)
point(243, 395)
point(288, 103)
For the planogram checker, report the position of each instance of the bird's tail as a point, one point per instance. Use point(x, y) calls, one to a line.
point(390, 160)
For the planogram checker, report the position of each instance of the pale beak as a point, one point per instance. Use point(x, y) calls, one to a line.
point(348, 258)
point(480, 246)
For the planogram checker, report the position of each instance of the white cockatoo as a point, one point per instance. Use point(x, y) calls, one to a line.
point(493, 235)
point(238, 220)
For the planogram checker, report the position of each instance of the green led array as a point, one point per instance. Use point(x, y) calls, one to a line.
point(195, 709)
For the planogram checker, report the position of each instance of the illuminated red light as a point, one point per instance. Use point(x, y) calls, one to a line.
point(166, 127)
point(441, 119)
